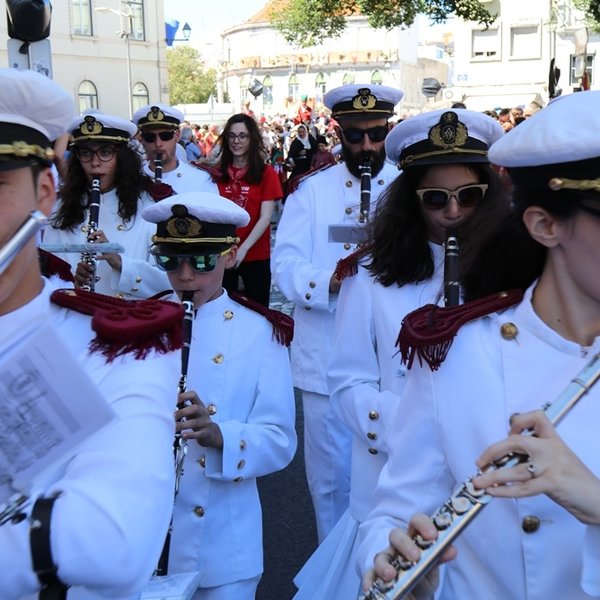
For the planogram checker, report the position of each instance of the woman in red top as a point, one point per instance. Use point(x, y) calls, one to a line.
point(244, 178)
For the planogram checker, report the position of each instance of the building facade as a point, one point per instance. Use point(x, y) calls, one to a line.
point(110, 55)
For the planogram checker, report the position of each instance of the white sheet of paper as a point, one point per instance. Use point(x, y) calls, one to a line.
point(352, 234)
point(48, 405)
point(180, 586)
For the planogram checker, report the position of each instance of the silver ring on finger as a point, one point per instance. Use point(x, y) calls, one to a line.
point(532, 470)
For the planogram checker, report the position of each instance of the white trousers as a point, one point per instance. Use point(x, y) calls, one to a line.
point(240, 590)
point(327, 456)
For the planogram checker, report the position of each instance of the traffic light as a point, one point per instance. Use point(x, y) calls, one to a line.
point(28, 20)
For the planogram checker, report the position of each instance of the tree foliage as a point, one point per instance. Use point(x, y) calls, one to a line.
point(189, 81)
point(305, 23)
point(591, 9)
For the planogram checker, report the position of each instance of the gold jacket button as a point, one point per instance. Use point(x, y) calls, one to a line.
point(199, 511)
point(120, 227)
point(380, 181)
point(138, 280)
point(348, 183)
point(238, 479)
point(135, 289)
point(530, 524)
point(347, 246)
point(308, 296)
point(307, 308)
point(312, 284)
point(348, 211)
point(242, 444)
point(509, 331)
point(241, 464)
point(373, 415)
point(211, 409)
point(373, 451)
point(228, 315)
point(372, 435)
point(202, 461)
point(178, 174)
point(120, 295)
point(218, 358)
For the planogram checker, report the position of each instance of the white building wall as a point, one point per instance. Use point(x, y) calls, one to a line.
point(101, 57)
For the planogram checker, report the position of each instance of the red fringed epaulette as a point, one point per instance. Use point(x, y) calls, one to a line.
point(283, 325)
point(294, 182)
point(52, 265)
point(348, 266)
point(215, 173)
point(429, 331)
point(135, 327)
point(159, 191)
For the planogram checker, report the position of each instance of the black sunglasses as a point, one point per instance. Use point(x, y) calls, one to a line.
point(201, 263)
point(467, 196)
point(354, 135)
point(165, 136)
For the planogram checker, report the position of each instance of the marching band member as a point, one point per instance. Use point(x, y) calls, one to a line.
point(541, 537)
point(445, 185)
point(100, 150)
point(91, 525)
point(303, 265)
point(159, 133)
point(239, 418)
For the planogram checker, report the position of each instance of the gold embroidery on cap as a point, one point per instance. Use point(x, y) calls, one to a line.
point(90, 126)
point(449, 132)
point(181, 224)
point(559, 183)
point(156, 114)
point(364, 100)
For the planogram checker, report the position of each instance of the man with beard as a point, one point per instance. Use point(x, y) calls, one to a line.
point(303, 265)
point(159, 134)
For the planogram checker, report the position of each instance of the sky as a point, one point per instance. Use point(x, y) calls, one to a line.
point(209, 18)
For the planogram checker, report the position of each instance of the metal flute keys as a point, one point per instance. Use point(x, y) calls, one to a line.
point(466, 503)
point(365, 190)
point(451, 274)
point(180, 444)
point(89, 258)
point(34, 222)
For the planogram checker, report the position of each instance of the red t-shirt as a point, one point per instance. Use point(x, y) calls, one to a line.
point(250, 197)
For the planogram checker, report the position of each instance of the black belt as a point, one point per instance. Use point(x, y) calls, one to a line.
point(41, 552)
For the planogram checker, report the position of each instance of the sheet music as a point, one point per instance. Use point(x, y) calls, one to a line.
point(180, 586)
point(48, 405)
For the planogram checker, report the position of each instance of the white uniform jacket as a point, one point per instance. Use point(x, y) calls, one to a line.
point(186, 178)
point(139, 276)
point(108, 526)
point(243, 377)
point(304, 259)
point(366, 376)
point(526, 549)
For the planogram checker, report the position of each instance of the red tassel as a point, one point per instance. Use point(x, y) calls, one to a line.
point(51, 264)
point(348, 266)
point(215, 173)
point(135, 327)
point(283, 325)
point(159, 191)
point(429, 331)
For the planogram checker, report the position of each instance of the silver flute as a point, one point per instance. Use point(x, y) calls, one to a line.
point(28, 229)
point(365, 190)
point(466, 503)
point(89, 258)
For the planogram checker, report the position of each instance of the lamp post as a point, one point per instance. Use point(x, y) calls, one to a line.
point(186, 30)
point(127, 18)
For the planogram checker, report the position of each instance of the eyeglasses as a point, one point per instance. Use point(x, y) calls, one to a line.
point(201, 263)
point(467, 196)
point(354, 135)
point(104, 154)
point(240, 136)
point(165, 136)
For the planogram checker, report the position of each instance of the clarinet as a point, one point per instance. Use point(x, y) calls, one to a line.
point(365, 190)
point(89, 258)
point(158, 168)
point(451, 275)
point(180, 444)
point(467, 502)
point(28, 229)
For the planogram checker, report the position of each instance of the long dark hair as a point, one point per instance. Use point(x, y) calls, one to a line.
point(503, 256)
point(398, 235)
point(256, 149)
point(130, 182)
